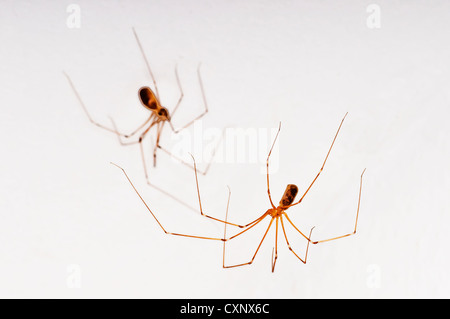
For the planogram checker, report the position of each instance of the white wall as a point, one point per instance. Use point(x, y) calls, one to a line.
point(71, 225)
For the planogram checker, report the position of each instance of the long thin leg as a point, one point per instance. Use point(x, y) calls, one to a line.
point(201, 208)
point(296, 227)
point(172, 196)
point(160, 225)
point(356, 222)
point(144, 163)
point(158, 135)
point(267, 165)
point(157, 187)
point(141, 138)
point(256, 252)
point(146, 62)
point(181, 94)
point(85, 108)
point(254, 223)
point(326, 157)
point(190, 123)
point(204, 172)
point(206, 169)
point(119, 136)
point(274, 261)
point(249, 225)
point(204, 102)
point(132, 133)
point(289, 245)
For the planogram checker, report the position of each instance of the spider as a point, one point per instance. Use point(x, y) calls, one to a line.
point(159, 116)
point(276, 213)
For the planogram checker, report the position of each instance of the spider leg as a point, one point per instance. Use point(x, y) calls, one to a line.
point(228, 202)
point(159, 189)
point(274, 260)
point(356, 221)
point(179, 99)
point(194, 167)
point(257, 249)
point(323, 165)
point(141, 138)
point(176, 131)
point(289, 245)
point(146, 63)
point(287, 217)
point(204, 102)
point(112, 130)
point(158, 135)
point(154, 216)
point(267, 165)
point(250, 225)
point(144, 163)
point(119, 135)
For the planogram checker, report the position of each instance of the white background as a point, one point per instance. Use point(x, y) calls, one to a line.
point(71, 226)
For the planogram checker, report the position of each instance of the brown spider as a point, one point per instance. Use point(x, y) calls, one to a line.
point(276, 213)
point(158, 117)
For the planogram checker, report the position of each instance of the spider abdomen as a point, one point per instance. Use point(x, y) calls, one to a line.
point(148, 98)
point(289, 195)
